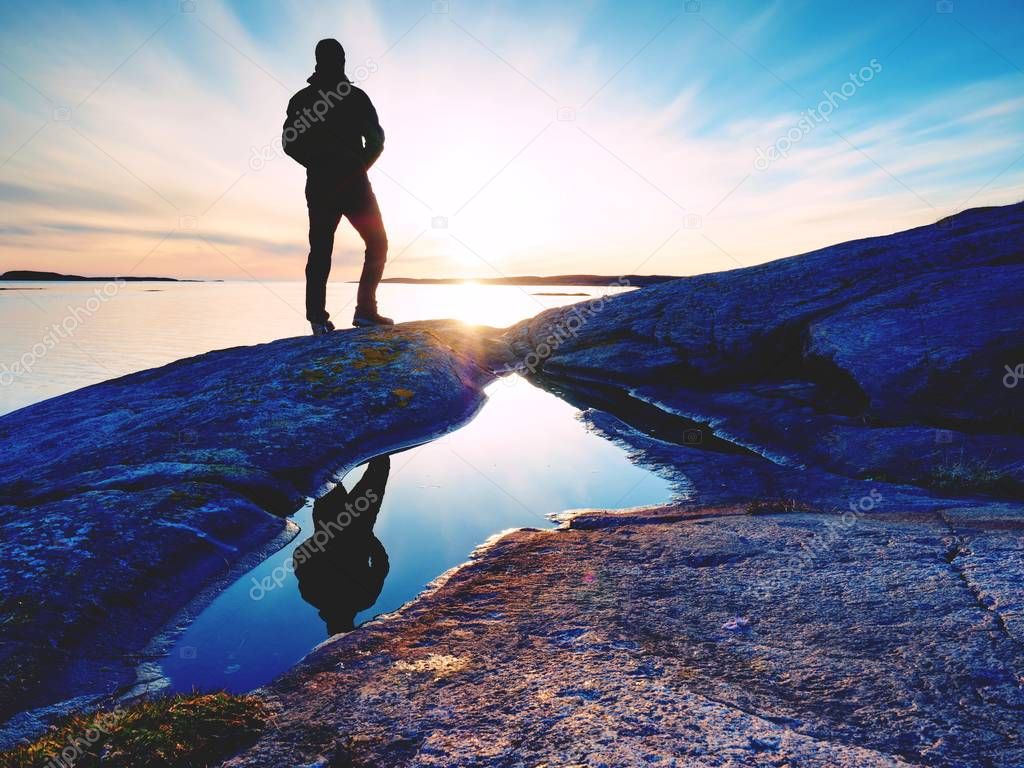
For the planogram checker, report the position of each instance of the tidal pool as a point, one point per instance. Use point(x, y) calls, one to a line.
point(524, 456)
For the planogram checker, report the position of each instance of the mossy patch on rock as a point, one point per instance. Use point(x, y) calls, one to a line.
point(177, 732)
point(403, 395)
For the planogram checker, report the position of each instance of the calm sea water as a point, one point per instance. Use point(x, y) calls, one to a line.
point(525, 456)
point(55, 337)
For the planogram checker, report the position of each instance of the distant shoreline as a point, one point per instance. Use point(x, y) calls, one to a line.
point(596, 280)
point(610, 281)
point(29, 275)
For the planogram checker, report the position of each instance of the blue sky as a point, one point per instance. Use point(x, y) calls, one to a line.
point(523, 137)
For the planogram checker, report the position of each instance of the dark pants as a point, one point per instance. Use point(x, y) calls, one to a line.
point(329, 196)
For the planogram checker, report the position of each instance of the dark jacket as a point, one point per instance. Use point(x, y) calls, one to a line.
point(331, 125)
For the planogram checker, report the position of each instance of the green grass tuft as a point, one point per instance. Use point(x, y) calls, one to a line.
point(964, 474)
point(183, 731)
point(775, 506)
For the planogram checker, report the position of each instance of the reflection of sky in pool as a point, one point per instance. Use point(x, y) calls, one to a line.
point(523, 457)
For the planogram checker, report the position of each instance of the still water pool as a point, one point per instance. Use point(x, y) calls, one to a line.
point(525, 455)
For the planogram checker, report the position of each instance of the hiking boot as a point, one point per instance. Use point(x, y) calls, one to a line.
point(322, 329)
point(366, 318)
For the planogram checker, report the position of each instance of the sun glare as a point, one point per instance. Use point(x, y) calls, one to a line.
point(474, 304)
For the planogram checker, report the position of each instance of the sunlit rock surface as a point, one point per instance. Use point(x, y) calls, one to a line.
point(721, 638)
point(122, 500)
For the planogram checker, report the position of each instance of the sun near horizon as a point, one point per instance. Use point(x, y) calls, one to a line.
point(656, 138)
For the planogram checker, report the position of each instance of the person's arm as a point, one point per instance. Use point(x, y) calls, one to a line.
point(374, 479)
point(371, 488)
point(292, 140)
point(373, 135)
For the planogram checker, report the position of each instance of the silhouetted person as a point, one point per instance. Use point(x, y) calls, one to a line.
point(332, 129)
point(341, 568)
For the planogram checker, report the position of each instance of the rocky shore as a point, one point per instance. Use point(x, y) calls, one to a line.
point(841, 587)
point(686, 637)
point(124, 500)
point(894, 358)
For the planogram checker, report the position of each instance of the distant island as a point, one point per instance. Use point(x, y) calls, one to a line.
point(638, 281)
point(34, 276)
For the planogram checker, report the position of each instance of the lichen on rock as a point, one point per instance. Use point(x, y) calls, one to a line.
point(124, 499)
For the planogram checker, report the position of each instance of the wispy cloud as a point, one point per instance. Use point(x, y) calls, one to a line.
point(550, 140)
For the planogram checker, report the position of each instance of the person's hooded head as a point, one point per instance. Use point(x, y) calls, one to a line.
point(330, 61)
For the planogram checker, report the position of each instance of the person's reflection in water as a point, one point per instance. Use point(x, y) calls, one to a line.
point(341, 568)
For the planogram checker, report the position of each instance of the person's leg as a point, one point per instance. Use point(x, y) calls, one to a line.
point(370, 226)
point(324, 215)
